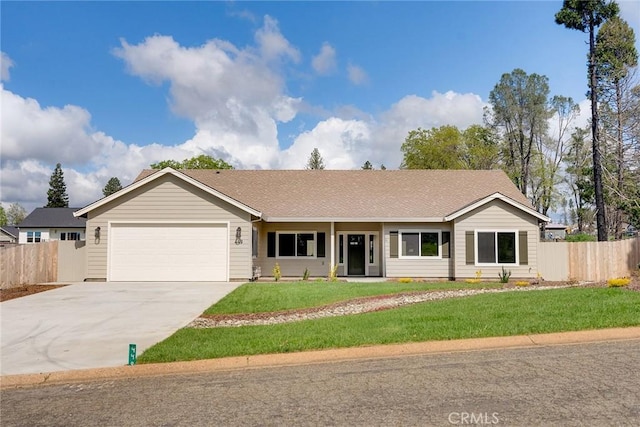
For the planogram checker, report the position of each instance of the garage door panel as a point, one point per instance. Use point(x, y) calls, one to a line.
point(168, 252)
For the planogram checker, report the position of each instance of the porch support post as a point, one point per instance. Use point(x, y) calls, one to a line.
point(332, 261)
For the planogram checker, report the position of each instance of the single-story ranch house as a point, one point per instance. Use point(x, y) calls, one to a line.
point(219, 225)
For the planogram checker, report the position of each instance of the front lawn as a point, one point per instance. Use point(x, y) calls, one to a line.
point(486, 315)
point(265, 297)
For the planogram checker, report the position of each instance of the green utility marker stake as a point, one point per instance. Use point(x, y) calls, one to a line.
point(132, 354)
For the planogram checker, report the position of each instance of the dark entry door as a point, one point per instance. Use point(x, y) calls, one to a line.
point(356, 254)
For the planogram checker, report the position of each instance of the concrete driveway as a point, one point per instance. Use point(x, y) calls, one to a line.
point(90, 325)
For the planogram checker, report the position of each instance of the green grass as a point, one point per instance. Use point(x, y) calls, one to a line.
point(512, 313)
point(263, 297)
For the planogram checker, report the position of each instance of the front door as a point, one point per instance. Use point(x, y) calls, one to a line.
point(356, 254)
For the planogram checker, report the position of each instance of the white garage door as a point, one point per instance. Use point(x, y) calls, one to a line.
point(168, 252)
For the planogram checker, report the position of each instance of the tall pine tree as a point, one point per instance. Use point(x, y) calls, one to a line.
point(57, 196)
point(112, 186)
point(315, 160)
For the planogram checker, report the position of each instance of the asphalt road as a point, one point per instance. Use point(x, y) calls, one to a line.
point(584, 384)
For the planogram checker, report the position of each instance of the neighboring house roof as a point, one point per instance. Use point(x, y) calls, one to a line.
point(553, 226)
point(53, 218)
point(356, 195)
point(10, 231)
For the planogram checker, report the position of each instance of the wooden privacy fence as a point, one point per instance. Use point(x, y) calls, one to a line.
point(42, 263)
point(595, 261)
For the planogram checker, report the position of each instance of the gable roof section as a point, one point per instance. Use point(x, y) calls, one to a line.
point(10, 231)
point(155, 174)
point(495, 196)
point(52, 217)
point(361, 195)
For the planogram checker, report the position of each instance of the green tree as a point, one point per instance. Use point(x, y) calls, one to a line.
point(367, 166)
point(616, 55)
point(202, 161)
point(519, 110)
point(586, 16)
point(481, 148)
point(3, 216)
point(15, 214)
point(112, 186)
point(315, 160)
point(57, 196)
point(549, 154)
point(383, 167)
point(436, 148)
point(579, 176)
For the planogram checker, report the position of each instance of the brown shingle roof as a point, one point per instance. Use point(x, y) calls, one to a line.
point(356, 194)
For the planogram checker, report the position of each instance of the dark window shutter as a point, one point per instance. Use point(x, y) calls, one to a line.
point(393, 244)
point(470, 247)
point(446, 246)
point(523, 248)
point(321, 245)
point(271, 244)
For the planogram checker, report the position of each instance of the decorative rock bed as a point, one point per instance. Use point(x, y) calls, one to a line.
point(355, 306)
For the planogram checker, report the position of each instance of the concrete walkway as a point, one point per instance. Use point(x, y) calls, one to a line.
point(90, 325)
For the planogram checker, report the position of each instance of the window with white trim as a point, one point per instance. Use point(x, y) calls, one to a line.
point(414, 244)
point(496, 247)
point(299, 244)
point(34, 236)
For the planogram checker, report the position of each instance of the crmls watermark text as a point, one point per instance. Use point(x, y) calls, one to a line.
point(473, 418)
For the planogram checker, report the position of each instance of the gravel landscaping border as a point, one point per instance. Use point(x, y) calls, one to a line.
point(355, 306)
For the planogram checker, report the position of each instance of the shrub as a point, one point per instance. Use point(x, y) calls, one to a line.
point(504, 275)
point(619, 282)
point(522, 283)
point(277, 274)
point(305, 275)
point(580, 237)
point(405, 280)
point(333, 273)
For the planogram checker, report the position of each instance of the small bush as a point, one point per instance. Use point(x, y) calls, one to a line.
point(522, 283)
point(277, 274)
point(405, 280)
point(504, 275)
point(305, 275)
point(333, 273)
point(619, 282)
point(580, 237)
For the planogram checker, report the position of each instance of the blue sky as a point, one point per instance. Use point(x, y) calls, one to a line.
point(106, 88)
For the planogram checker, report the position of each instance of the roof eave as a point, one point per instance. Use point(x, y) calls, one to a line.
point(350, 219)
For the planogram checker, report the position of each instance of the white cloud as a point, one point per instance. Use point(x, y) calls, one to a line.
point(340, 142)
point(235, 97)
point(5, 64)
point(324, 62)
point(45, 134)
point(357, 75)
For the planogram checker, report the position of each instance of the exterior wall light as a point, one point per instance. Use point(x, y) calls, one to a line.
point(238, 236)
point(97, 233)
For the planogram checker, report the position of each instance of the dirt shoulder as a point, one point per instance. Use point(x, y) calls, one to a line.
point(23, 291)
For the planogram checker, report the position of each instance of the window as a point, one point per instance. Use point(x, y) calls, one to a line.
point(420, 243)
point(254, 242)
point(73, 236)
point(34, 237)
point(496, 247)
point(341, 249)
point(63, 236)
point(296, 244)
point(371, 249)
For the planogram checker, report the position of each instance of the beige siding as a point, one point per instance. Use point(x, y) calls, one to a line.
point(495, 216)
point(425, 267)
point(318, 267)
point(173, 200)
